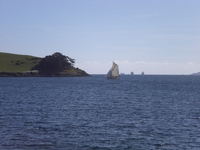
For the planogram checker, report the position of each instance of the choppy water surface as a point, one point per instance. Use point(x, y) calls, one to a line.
point(134, 112)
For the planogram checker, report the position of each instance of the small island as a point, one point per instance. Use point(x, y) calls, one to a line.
point(55, 65)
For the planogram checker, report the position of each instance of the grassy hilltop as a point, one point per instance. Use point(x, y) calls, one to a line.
point(17, 63)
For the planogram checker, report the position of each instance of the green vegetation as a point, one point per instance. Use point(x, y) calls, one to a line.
point(54, 64)
point(13, 65)
point(17, 63)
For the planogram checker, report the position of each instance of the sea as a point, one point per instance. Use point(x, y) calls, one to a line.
point(149, 112)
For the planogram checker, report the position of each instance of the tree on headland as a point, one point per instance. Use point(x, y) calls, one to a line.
point(55, 63)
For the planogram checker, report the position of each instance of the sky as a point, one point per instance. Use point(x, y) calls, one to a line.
point(154, 36)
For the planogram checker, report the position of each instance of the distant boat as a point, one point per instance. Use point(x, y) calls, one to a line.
point(113, 73)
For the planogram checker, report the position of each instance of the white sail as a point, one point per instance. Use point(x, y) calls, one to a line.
point(113, 73)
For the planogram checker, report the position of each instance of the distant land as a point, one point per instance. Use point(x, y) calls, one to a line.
point(16, 65)
point(198, 73)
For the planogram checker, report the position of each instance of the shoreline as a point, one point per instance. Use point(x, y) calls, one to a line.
point(78, 73)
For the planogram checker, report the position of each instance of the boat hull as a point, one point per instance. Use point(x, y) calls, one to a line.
point(114, 77)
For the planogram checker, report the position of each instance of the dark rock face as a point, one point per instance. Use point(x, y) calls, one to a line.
point(19, 74)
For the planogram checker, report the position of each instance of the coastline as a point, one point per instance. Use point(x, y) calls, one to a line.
point(67, 73)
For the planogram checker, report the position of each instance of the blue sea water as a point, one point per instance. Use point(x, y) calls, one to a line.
point(93, 113)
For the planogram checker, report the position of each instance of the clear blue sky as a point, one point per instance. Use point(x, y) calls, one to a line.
point(154, 36)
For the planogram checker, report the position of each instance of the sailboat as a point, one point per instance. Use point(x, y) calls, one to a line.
point(113, 73)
